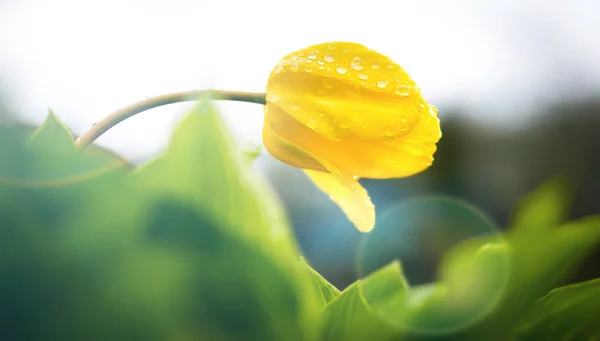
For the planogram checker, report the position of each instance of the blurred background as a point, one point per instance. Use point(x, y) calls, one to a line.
point(517, 85)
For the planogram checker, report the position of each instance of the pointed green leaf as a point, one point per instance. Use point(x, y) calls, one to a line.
point(324, 290)
point(566, 313)
point(202, 168)
point(53, 135)
point(544, 208)
point(351, 317)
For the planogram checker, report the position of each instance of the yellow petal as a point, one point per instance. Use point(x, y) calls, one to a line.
point(288, 152)
point(350, 196)
point(344, 90)
point(366, 159)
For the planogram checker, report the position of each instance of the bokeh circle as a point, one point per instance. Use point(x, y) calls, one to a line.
point(452, 256)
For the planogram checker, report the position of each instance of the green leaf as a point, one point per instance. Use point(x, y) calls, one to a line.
point(202, 166)
point(567, 313)
point(203, 169)
point(206, 283)
point(350, 317)
point(544, 208)
point(325, 291)
point(53, 135)
point(539, 262)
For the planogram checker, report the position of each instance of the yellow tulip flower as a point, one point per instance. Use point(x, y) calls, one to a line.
point(342, 112)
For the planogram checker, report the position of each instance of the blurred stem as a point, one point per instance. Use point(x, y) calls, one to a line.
point(113, 119)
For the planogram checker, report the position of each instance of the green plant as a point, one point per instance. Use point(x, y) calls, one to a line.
point(194, 246)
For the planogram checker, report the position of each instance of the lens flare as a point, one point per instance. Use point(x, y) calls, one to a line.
point(452, 255)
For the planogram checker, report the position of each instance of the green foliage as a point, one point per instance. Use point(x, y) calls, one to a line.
point(567, 313)
point(194, 246)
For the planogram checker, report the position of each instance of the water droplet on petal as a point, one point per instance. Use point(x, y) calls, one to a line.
point(327, 81)
point(294, 67)
point(433, 110)
point(363, 76)
point(307, 69)
point(311, 123)
point(294, 57)
point(375, 66)
point(341, 70)
point(278, 68)
point(312, 56)
point(402, 90)
point(331, 46)
point(329, 58)
point(355, 177)
point(320, 62)
point(403, 120)
point(382, 84)
point(357, 64)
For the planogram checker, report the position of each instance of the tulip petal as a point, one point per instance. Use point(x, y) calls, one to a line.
point(343, 189)
point(287, 152)
point(343, 89)
point(349, 195)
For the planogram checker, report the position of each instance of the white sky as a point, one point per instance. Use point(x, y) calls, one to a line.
point(86, 59)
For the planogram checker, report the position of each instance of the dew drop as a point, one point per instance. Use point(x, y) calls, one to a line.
point(403, 120)
point(355, 177)
point(307, 69)
point(375, 66)
point(382, 84)
point(391, 65)
point(320, 62)
point(294, 57)
point(357, 64)
point(389, 132)
point(422, 104)
point(311, 123)
point(331, 46)
point(363, 76)
point(312, 56)
point(329, 58)
point(346, 51)
point(433, 110)
point(278, 69)
point(402, 90)
point(341, 70)
point(327, 81)
point(294, 67)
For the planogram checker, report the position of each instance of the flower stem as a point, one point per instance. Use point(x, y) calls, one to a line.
point(113, 119)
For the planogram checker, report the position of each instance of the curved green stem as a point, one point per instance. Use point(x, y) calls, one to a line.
point(113, 119)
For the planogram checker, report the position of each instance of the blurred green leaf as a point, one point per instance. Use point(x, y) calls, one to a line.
point(350, 317)
point(53, 134)
point(544, 208)
point(202, 167)
point(540, 260)
point(212, 285)
point(566, 313)
point(324, 290)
